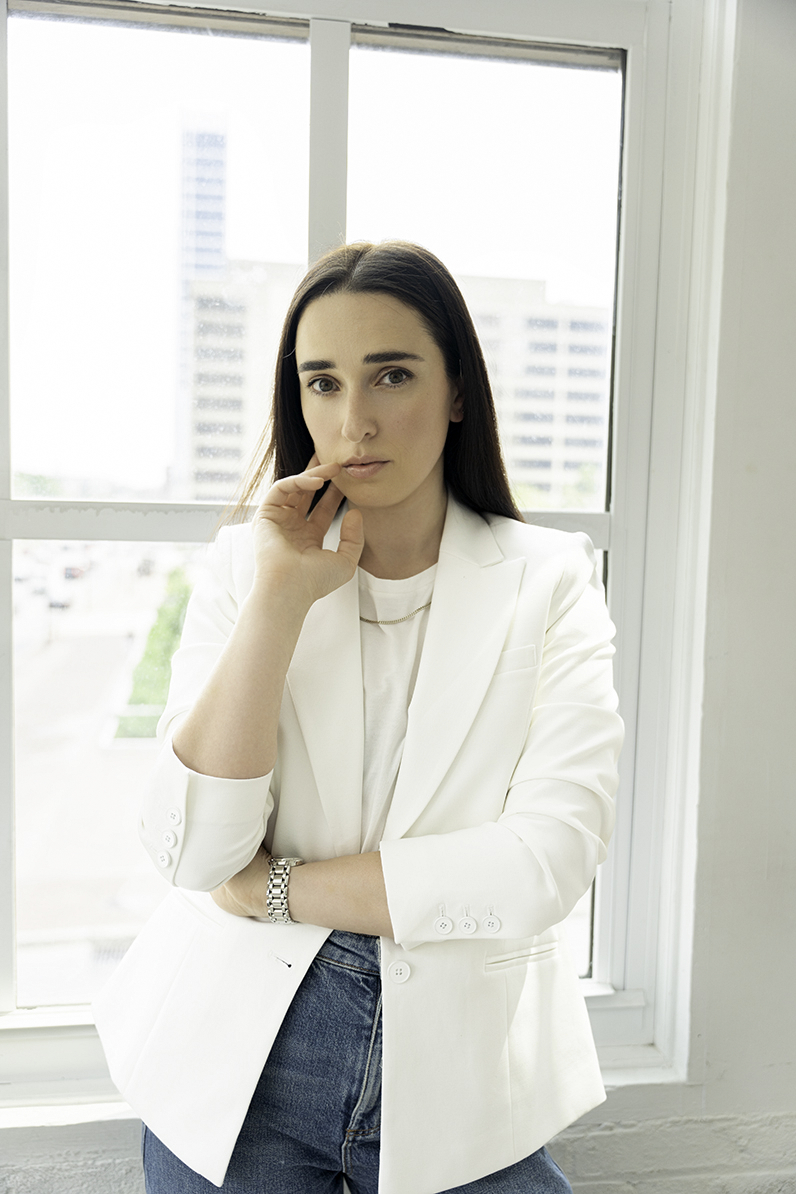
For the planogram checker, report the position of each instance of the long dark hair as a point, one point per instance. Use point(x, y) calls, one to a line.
point(474, 470)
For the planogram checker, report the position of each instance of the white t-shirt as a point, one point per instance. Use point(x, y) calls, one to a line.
point(390, 660)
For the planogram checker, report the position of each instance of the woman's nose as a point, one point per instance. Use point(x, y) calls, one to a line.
point(358, 421)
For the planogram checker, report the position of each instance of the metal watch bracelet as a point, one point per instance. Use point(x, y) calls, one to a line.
point(276, 893)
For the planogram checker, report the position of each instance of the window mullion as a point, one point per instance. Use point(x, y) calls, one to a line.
point(330, 42)
point(7, 951)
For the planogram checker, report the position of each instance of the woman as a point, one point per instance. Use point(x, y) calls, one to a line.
point(390, 750)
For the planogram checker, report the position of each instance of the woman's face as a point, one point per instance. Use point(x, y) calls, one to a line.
point(374, 390)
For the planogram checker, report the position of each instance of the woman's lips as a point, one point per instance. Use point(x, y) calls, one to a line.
point(365, 470)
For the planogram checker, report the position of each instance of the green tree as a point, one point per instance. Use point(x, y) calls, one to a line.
point(153, 672)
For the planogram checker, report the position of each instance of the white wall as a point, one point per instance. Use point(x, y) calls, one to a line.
point(732, 1128)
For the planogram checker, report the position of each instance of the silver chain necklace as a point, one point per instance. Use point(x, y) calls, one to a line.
point(393, 621)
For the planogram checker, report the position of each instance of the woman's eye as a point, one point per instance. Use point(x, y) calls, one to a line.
point(394, 377)
point(322, 385)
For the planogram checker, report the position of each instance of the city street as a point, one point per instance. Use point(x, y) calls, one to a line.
point(84, 885)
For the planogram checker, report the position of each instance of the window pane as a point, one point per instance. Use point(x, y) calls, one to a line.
point(158, 227)
point(578, 929)
point(95, 625)
point(508, 170)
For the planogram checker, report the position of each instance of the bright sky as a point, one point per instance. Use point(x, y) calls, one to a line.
point(501, 168)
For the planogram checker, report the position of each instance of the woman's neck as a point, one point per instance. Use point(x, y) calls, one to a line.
point(401, 542)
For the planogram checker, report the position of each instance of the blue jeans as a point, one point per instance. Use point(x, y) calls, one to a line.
point(315, 1115)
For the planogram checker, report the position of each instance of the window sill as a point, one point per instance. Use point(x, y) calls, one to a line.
point(59, 1115)
point(55, 1072)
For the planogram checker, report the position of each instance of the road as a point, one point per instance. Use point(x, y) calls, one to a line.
point(84, 885)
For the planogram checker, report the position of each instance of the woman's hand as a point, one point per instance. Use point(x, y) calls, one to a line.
point(288, 545)
point(245, 893)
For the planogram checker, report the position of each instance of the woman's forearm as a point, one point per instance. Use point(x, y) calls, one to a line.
point(231, 730)
point(342, 893)
point(339, 893)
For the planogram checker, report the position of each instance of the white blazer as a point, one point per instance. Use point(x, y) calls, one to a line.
point(501, 813)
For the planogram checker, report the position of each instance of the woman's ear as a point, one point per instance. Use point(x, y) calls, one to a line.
point(457, 405)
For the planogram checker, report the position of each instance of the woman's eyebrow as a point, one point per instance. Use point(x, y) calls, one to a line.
point(383, 358)
point(311, 366)
point(372, 358)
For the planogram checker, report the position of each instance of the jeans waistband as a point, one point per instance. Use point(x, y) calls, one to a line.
point(356, 951)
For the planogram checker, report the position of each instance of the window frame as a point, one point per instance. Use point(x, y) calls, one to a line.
point(670, 224)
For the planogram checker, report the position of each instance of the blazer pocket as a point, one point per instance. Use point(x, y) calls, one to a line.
point(516, 658)
point(520, 957)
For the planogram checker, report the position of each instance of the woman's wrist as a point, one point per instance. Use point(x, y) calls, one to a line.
point(278, 593)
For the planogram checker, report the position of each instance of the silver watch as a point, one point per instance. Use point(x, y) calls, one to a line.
point(276, 893)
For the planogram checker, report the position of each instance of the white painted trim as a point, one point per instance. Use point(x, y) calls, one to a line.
point(639, 254)
point(330, 43)
point(135, 521)
point(7, 860)
point(611, 23)
point(596, 525)
point(490, 47)
point(7, 852)
point(163, 15)
point(58, 1115)
point(660, 896)
point(635, 1065)
point(712, 98)
point(195, 523)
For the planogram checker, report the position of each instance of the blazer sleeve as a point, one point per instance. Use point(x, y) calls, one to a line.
point(527, 870)
point(197, 828)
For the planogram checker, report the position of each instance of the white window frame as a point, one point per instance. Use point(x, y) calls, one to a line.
point(678, 68)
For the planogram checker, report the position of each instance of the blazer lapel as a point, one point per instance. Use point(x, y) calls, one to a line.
point(475, 594)
point(325, 683)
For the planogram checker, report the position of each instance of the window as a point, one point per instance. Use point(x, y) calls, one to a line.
point(213, 303)
point(218, 428)
point(219, 379)
point(218, 354)
point(220, 329)
point(132, 500)
point(228, 453)
point(218, 403)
